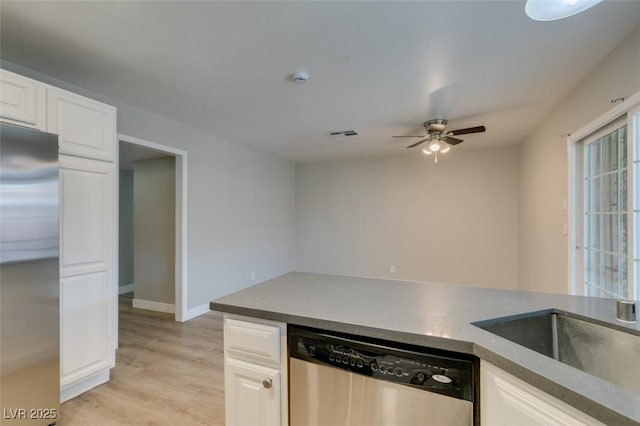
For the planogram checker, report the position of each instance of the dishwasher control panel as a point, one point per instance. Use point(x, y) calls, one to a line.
point(423, 370)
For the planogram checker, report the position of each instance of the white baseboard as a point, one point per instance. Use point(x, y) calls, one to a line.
point(71, 391)
point(196, 312)
point(149, 305)
point(125, 289)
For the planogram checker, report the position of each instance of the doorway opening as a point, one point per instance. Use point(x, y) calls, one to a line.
point(152, 226)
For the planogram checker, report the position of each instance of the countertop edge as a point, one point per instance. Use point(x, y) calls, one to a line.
point(435, 342)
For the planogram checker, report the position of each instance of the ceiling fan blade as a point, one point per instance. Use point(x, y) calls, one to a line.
point(466, 131)
point(421, 136)
point(418, 143)
point(452, 141)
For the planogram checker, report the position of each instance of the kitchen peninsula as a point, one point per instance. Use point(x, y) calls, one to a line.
point(434, 316)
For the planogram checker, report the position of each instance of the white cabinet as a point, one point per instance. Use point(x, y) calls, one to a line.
point(507, 400)
point(86, 271)
point(85, 128)
point(87, 289)
point(255, 371)
point(22, 100)
point(87, 136)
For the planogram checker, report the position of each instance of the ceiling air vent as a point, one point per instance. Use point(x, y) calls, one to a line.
point(342, 134)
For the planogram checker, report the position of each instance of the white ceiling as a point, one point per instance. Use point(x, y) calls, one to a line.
point(381, 68)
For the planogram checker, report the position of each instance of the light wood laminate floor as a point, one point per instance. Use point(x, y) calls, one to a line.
point(166, 373)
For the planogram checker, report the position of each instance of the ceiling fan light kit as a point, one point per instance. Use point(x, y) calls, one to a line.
point(551, 10)
point(436, 147)
point(439, 141)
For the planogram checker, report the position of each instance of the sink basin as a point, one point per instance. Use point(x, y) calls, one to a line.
point(597, 349)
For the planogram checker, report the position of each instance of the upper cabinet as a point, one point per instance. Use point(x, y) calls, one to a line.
point(22, 100)
point(86, 128)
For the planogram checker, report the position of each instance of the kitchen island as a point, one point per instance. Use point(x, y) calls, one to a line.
point(440, 316)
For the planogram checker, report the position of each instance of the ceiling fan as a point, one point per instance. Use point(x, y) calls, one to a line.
point(439, 139)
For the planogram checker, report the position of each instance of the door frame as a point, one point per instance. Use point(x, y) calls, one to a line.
point(181, 276)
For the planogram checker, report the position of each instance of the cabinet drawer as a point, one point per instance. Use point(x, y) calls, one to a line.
point(260, 342)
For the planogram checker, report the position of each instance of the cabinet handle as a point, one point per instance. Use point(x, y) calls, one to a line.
point(267, 383)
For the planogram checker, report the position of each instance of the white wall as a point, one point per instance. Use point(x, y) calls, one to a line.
point(125, 228)
point(453, 222)
point(154, 231)
point(543, 166)
point(240, 206)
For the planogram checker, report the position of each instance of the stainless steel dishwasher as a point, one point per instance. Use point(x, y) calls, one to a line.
point(342, 380)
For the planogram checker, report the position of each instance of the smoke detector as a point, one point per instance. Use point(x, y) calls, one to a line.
point(300, 77)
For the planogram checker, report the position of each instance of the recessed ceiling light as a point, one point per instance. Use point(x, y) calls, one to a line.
point(550, 10)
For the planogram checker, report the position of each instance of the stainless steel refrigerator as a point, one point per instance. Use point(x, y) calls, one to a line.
point(29, 277)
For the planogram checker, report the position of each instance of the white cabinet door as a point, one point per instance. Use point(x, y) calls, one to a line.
point(87, 298)
point(86, 128)
point(506, 400)
point(87, 215)
point(85, 318)
point(252, 394)
point(256, 371)
point(22, 100)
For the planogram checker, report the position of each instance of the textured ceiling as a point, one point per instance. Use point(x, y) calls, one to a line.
point(381, 68)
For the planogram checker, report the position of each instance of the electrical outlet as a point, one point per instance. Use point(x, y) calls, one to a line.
point(253, 276)
point(392, 269)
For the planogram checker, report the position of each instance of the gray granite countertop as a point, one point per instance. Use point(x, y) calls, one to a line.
point(440, 316)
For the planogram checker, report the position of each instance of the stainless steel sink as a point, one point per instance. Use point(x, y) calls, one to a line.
point(597, 349)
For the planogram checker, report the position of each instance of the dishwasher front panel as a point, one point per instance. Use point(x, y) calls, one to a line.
point(327, 396)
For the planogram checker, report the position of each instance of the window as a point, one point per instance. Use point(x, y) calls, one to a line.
point(604, 195)
point(604, 208)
